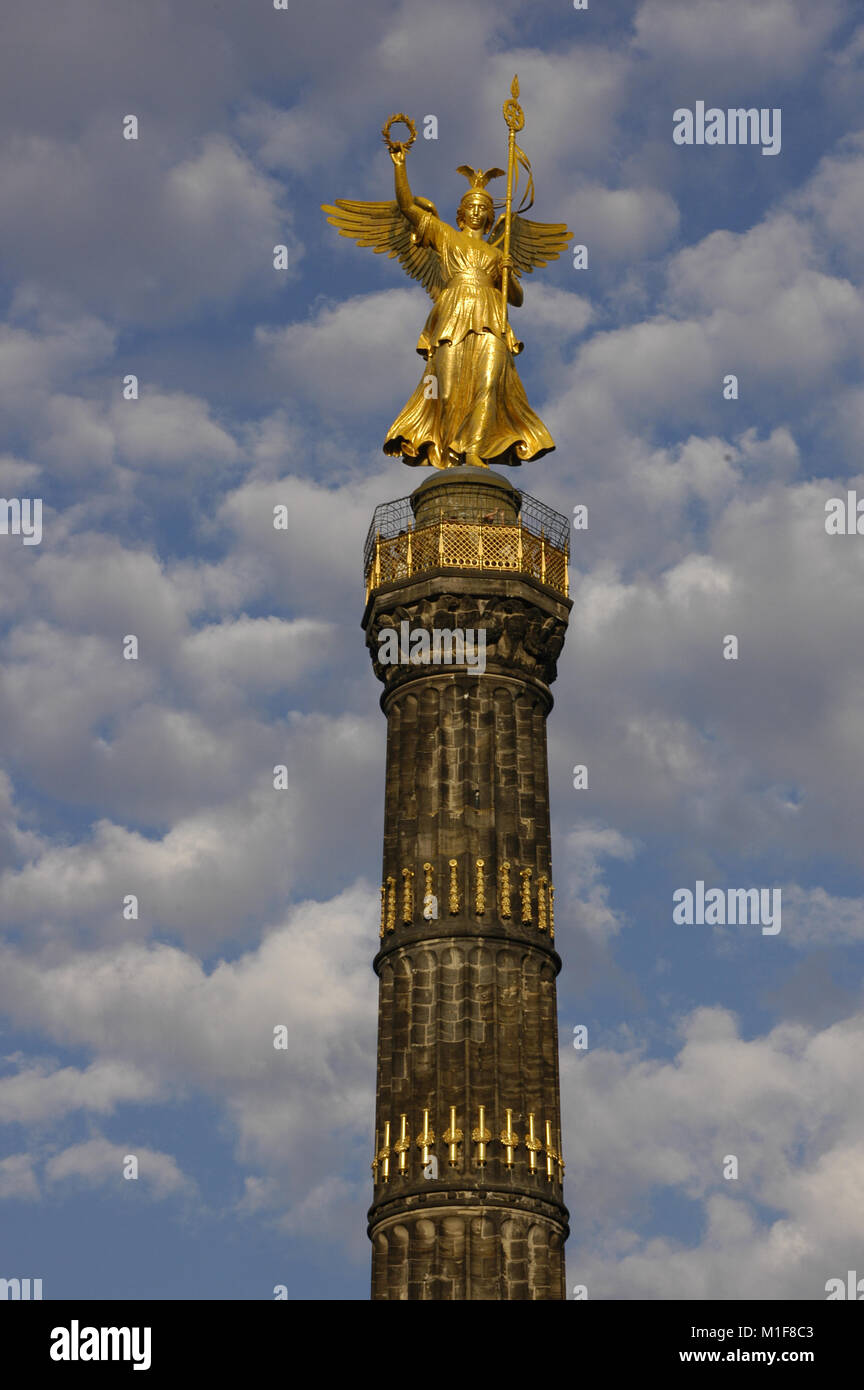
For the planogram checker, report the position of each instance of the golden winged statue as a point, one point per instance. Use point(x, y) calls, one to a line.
point(470, 406)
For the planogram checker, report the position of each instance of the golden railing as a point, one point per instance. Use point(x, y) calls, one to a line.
point(467, 545)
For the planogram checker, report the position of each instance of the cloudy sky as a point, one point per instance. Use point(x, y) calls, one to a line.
point(154, 1037)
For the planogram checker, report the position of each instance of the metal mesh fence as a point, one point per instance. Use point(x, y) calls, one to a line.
point(539, 546)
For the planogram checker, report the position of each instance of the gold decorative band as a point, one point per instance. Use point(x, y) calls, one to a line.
point(454, 887)
point(452, 1137)
point(407, 896)
point(480, 889)
point(425, 1139)
point(526, 896)
point(504, 889)
point(403, 1144)
point(481, 1138)
point(541, 903)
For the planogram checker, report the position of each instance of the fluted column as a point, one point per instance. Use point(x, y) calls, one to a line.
point(467, 997)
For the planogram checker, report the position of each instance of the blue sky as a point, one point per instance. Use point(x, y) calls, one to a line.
point(258, 387)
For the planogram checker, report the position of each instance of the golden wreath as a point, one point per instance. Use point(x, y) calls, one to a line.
point(402, 119)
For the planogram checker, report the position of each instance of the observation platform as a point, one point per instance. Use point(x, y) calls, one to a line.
point(467, 518)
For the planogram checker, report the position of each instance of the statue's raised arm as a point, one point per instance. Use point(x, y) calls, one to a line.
point(389, 227)
point(470, 406)
point(404, 196)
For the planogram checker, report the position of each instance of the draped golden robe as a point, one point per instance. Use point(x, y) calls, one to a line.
point(480, 407)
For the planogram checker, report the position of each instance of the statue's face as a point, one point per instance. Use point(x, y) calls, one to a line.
point(474, 214)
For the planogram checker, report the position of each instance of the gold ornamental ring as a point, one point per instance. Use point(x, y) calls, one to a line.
point(402, 119)
point(513, 114)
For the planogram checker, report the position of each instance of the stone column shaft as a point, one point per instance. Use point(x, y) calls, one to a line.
point(467, 962)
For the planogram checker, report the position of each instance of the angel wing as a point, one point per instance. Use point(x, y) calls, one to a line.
point(531, 243)
point(383, 227)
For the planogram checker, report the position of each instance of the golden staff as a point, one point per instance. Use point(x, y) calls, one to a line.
point(515, 118)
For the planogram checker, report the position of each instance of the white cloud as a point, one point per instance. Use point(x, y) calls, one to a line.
point(37, 359)
point(621, 224)
point(833, 198)
point(97, 1162)
point(813, 917)
point(777, 36)
point(145, 233)
point(354, 356)
point(786, 1104)
point(17, 1178)
point(155, 1008)
point(36, 1093)
point(232, 658)
point(587, 903)
point(165, 428)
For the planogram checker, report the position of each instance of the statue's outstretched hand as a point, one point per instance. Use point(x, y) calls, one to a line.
point(398, 157)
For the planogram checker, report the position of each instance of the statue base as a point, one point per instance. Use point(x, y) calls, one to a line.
point(466, 494)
